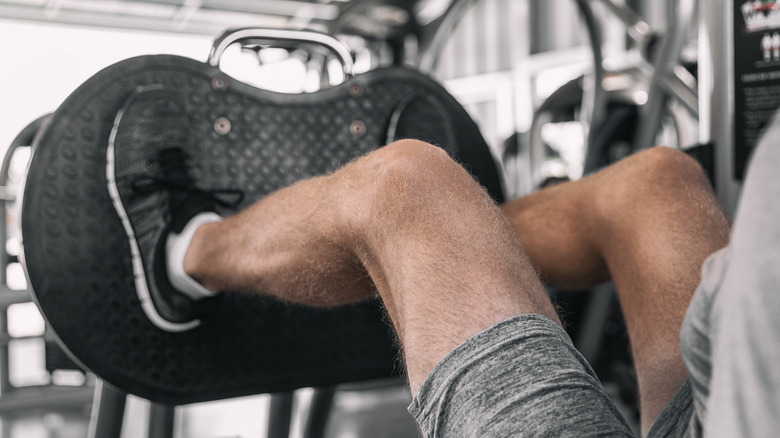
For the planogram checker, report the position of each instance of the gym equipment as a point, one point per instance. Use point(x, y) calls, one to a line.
point(740, 79)
point(614, 121)
point(648, 95)
point(78, 260)
point(42, 395)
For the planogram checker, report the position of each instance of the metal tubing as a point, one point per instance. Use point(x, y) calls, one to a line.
point(44, 398)
point(717, 94)
point(108, 410)
point(594, 99)
point(6, 389)
point(638, 29)
point(675, 86)
point(683, 12)
point(260, 36)
point(9, 297)
point(319, 411)
point(280, 414)
point(161, 420)
point(429, 56)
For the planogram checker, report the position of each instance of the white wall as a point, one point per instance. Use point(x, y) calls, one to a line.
point(42, 63)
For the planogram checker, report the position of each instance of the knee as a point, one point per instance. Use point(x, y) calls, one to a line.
point(410, 167)
point(407, 177)
point(659, 174)
point(666, 169)
point(412, 163)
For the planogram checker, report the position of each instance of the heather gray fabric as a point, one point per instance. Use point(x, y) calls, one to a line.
point(521, 377)
point(731, 335)
point(675, 418)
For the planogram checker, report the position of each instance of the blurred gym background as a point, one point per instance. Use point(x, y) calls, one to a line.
point(503, 60)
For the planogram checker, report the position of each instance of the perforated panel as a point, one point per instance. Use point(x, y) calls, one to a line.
point(78, 258)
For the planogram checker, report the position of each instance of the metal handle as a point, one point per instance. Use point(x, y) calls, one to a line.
point(254, 35)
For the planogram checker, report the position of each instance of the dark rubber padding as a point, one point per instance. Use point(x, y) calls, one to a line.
point(78, 259)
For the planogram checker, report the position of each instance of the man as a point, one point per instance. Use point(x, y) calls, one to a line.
point(460, 277)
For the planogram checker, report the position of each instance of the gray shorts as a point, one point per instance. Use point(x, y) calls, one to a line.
point(523, 377)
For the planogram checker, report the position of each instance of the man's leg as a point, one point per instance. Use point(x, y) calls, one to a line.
point(405, 221)
point(405, 218)
point(483, 348)
point(648, 222)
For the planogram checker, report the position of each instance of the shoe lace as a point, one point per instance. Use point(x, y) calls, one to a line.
point(176, 177)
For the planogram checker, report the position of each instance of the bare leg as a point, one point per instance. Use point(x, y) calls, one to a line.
point(647, 222)
point(405, 220)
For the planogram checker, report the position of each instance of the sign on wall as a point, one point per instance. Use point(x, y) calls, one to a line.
point(756, 73)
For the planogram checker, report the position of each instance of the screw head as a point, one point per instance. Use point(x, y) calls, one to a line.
point(222, 126)
point(355, 90)
point(357, 128)
point(219, 83)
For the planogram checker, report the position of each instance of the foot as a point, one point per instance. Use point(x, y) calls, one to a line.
point(151, 183)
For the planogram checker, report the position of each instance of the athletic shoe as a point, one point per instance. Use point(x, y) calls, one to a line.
point(151, 183)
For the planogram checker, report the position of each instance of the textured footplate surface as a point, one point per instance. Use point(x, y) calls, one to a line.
point(78, 259)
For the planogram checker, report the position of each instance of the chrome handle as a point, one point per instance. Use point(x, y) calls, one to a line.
point(253, 35)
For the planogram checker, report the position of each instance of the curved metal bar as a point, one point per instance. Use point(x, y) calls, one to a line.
point(594, 99)
point(683, 13)
point(429, 58)
point(260, 36)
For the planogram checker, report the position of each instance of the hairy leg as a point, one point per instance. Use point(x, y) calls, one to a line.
point(648, 223)
point(405, 221)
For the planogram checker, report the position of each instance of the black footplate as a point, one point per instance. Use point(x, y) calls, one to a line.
point(78, 258)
